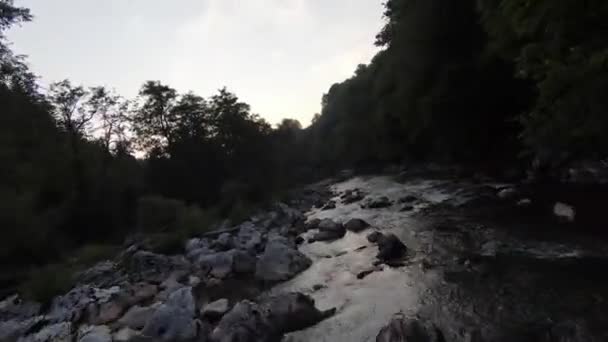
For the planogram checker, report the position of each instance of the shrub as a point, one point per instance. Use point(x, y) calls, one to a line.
point(43, 284)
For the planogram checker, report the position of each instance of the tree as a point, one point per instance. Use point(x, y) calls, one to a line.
point(154, 120)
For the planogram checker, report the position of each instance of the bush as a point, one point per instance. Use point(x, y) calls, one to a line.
point(43, 284)
point(157, 214)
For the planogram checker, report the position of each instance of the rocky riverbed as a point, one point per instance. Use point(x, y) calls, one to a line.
point(374, 258)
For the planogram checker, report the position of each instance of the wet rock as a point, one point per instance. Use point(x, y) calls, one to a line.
point(356, 225)
point(507, 193)
point(59, 332)
point(280, 262)
point(569, 331)
point(564, 212)
point(524, 203)
point(312, 224)
point(374, 237)
point(377, 203)
point(95, 334)
point(326, 236)
point(216, 310)
point(136, 317)
point(352, 196)
point(390, 247)
point(365, 273)
point(331, 204)
point(329, 225)
point(318, 287)
point(268, 320)
point(408, 199)
point(401, 329)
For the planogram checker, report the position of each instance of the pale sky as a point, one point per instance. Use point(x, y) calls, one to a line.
point(279, 56)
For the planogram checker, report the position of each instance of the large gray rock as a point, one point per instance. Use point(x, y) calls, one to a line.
point(377, 203)
point(151, 267)
point(268, 320)
point(248, 238)
point(170, 323)
point(221, 265)
point(72, 305)
point(245, 322)
point(216, 310)
point(59, 332)
point(183, 299)
point(125, 335)
point(197, 247)
point(103, 274)
point(401, 329)
point(280, 262)
point(95, 334)
point(390, 248)
point(12, 329)
point(328, 231)
point(136, 317)
point(223, 242)
point(564, 212)
point(356, 225)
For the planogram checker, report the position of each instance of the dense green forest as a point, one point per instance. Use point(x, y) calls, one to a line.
point(455, 81)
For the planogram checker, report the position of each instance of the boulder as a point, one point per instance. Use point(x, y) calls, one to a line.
point(169, 323)
point(197, 247)
point(406, 207)
point(356, 225)
point(524, 203)
point(408, 199)
point(223, 242)
point(125, 335)
point(564, 212)
point(507, 193)
point(312, 224)
point(329, 225)
point(280, 261)
point(94, 334)
point(268, 320)
point(377, 203)
point(136, 317)
point(71, 306)
point(59, 332)
point(215, 310)
point(245, 322)
point(352, 196)
point(103, 274)
point(106, 312)
point(390, 247)
point(248, 238)
point(373, 237)
point(183, 299)
point(155, 268)
point(401, 329)
point(331, 204)
point(217, 265)
point(12, 329)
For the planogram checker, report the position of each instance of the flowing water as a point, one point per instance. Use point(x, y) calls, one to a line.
point(470, 276)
